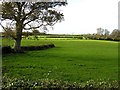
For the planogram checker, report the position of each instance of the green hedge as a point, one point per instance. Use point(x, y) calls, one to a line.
point(50, 84)
point(38, 47)
point(8, 49)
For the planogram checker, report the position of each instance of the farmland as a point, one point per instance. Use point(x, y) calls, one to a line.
point(71, 60)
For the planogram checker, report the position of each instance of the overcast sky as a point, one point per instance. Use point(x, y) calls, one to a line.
point(85, 16)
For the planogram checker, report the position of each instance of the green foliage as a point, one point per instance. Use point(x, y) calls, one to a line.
point(51, 84)
point(7, 41)
point(115, 35)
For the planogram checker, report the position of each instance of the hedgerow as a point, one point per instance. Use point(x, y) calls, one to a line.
point(50, 84)
point(41, 47)
point(8, 49)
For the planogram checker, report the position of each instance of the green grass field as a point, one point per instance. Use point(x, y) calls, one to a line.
point(70, 60)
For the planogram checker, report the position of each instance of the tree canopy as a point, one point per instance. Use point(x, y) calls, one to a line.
point(30, 15)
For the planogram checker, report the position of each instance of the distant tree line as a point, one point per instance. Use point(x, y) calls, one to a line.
point(25, 34)
point(102, 34)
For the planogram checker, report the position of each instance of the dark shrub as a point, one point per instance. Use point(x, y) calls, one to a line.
point(51, 45)
point(6, 50)
point(110, 39)
point(38, 47)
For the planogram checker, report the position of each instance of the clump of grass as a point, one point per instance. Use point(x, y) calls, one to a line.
point(22, 83)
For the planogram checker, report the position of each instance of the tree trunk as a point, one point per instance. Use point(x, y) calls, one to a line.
point(17, 47)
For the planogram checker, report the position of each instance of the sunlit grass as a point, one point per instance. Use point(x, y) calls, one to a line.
point(70, 60)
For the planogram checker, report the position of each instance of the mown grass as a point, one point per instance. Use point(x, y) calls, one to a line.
point(70, 60)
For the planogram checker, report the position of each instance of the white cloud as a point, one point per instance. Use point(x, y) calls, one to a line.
point(84, 16)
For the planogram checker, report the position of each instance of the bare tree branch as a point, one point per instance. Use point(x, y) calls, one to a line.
point(30, 12)
point(7, 31)
point(33, 27)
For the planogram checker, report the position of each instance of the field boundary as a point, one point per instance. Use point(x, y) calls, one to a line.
point(51, 84)
point(8, 49)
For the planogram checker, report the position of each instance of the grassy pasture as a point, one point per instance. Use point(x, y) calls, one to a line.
point(71, 60)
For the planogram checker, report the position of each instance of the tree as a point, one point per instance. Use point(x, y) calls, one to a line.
point(100, 31)
point(25, 34)
point(35, 32)
point(24, 14)
point(115, 35)
point(9, 32)
point(106, 32)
